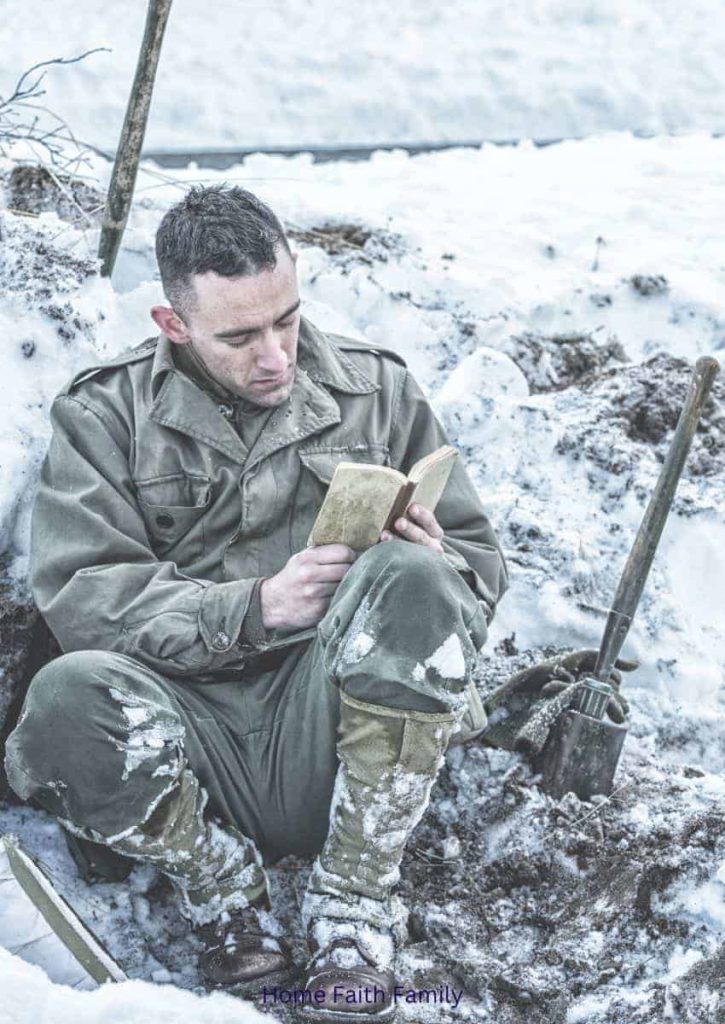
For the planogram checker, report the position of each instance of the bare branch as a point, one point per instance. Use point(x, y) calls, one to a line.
point(22, 91)
point(14, 127)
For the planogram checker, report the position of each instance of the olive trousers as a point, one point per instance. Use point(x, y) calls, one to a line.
point(102, 738)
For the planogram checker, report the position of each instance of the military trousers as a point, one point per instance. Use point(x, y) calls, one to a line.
point(102, 737)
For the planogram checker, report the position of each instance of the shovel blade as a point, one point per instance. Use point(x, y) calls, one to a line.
point(581, 756)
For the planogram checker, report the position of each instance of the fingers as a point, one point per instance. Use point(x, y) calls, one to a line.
point(328, 554)
point(416, 534)
point(555, 686)
point(626, 665)
point(426, 520)
point(580, 661)
point(327, 572)
point(617, 709)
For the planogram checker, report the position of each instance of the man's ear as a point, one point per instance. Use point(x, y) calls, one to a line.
point(170, 324)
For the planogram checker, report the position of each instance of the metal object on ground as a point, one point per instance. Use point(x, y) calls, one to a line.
point(583, 749)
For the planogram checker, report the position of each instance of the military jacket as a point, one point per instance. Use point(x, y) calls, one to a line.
point(152, 520)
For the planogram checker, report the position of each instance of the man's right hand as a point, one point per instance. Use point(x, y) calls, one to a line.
point(300, 593)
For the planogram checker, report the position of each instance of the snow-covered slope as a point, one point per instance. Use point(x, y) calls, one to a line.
point(546, 299)
point(316, 71)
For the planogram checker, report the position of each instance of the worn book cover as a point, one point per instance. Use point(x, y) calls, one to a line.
point(364, 499)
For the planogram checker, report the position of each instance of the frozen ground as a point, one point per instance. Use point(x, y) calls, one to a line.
point(310, 72)
point(550, 302)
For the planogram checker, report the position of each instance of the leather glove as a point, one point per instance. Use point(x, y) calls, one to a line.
point(529, 702)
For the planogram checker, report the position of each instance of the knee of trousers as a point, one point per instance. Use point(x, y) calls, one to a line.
point(403, 630)
point(98, 742)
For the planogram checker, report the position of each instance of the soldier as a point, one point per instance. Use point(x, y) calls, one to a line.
point(226, 695)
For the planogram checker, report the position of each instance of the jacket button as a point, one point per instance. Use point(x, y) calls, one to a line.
point(221, 641)
point(165, 521)
point(227, 411)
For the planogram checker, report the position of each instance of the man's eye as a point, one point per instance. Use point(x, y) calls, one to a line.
point(286, 323)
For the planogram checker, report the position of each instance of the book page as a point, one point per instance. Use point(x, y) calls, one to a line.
point(357, 505)
point(430, 476)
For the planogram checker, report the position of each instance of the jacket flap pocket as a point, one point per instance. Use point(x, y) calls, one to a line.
point(171, 507)
point(179, 490)
point(323, 462)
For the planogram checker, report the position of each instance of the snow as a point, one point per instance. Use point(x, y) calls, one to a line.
point(279, 74)
point(29, 996)
point(448, 660)
point(476, 257)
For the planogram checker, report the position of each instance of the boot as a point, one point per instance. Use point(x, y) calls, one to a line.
point(389, 760)
point(218, 874)
point(244, 951)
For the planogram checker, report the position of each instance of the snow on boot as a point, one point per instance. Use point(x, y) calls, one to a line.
point(353, 967)
point(389, 760)
point(245, 951)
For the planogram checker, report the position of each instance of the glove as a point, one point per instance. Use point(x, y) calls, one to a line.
point(523, 709)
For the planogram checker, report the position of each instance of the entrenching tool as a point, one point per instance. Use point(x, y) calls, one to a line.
point(583, 749)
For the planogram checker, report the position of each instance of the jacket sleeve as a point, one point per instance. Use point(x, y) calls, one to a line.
point(470, 544)
point(94, 576)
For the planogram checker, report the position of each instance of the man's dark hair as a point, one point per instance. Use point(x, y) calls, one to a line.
point(227, 230)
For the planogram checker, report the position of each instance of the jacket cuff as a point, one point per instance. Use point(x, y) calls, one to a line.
point(253, 632)
point(222, 612)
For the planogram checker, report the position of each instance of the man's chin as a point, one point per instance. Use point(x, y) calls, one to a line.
point(272, 396)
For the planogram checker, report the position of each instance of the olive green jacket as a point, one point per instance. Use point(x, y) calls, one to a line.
point(153, 521)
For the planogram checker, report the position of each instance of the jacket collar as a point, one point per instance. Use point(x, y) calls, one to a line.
point(182, 405)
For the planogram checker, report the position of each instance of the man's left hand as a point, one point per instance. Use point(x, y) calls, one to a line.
point(419, 526)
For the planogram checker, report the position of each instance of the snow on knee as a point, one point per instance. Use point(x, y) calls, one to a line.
point(448, 660)
point(150, 729)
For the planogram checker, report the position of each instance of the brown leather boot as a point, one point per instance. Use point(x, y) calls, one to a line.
point(245, 952)
point(351, 977)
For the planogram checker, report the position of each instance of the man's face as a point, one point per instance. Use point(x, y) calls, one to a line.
point(244, 329)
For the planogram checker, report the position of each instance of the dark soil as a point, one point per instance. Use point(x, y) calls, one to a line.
point(352, 241)
point(552, 362)
point(33, 189)
point(648, 285)
point(642, 404)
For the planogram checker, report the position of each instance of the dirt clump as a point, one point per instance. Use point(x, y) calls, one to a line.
point(350, 241)
point(34, 189)
point(553, 362)
point(649, 285)
point(631, 408)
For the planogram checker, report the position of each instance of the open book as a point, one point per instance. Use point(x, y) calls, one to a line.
point(363, 499)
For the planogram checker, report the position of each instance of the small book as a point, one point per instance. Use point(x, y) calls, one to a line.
point(364, 499)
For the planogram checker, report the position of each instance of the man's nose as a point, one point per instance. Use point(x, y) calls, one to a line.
point(271, 355)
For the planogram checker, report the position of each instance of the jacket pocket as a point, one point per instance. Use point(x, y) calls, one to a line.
point(317, 467)
point(172, 508)
point(322, 462)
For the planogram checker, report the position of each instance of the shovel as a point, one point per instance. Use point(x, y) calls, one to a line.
point(583, 748)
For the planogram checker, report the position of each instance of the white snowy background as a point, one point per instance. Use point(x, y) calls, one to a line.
point(247, 73)
point(470, 250)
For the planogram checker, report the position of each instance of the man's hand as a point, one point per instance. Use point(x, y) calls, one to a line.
point(299, 595)
point(419, 526)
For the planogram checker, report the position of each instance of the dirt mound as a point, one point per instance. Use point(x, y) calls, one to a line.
point(35, 189)
point(351, 241)
point(44, 276)
point(642, 404)
point(552, 362)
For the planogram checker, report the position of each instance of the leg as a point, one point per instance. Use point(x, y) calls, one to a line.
point(101, 744)
point(400, 640)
